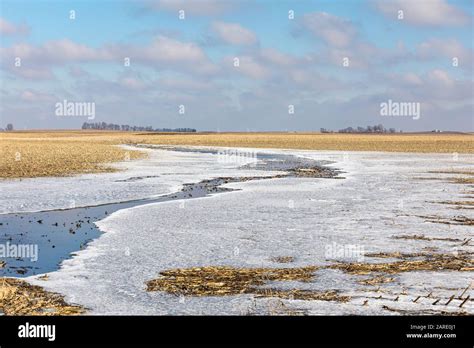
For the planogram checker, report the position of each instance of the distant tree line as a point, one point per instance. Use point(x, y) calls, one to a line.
point(369, 129)
point(8, 128)
point(128, 128)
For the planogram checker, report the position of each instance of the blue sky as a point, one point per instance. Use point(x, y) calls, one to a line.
point(282, 62)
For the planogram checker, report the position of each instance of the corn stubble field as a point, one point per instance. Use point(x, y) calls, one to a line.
point(17, 297)
point(65, 153)
point(59, 153)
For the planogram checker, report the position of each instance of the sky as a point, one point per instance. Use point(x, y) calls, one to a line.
point(238, 65)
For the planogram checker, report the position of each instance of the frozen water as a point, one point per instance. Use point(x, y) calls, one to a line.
point(161, 173)
point(309, 219)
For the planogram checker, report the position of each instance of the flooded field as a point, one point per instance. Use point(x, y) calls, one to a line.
point(199, 230)
point(50, 237)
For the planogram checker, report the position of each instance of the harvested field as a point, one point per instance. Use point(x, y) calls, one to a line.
point(458, 205)
point(307, 295)
point(376, 280)
point(395, 255)
point(283, 259)
point(24, 158)
point(461, 263)
point(49, 153)
point(422, 312)
point(284, 221)
point(17, 297)
point(459, 171)
point(456, 220)
point(465, 181)
point(452, 180)
point(470, 203)
point(224, 281)
point(440, 143)
point(423, 237)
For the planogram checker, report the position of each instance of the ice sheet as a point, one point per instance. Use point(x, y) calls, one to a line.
point(162, 173)
point(304, 218)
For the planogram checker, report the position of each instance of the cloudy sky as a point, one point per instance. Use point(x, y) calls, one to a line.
point(242, 65)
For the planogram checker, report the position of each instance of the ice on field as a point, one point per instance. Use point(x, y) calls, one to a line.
point(308, 219)
point(162, 173)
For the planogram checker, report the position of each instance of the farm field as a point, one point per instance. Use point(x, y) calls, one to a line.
point(58, 153)
point(318, 231)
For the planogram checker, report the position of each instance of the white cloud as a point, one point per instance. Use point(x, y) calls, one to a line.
point(447, 48)
point(436, 86)
point(78, 72)
point(173, 54)
point(249, 67)
point(162, 53)
point(170, 50)
point(276, 57)
point(412, 79)
point(8, 28)
point(234, 33)
point(333, 30)
point(440, 77)
point(30, 95)
point(427, 12)
point(39, 73)
point(132, 83)
point(195, 7)
point(184, 84)
point(54, 52)
point(68, 50)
